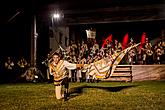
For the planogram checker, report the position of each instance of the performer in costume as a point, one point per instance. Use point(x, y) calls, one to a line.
point(147, 52)
point(132, 53)
point(58, 68)
point(158, 53)
point(50, 78)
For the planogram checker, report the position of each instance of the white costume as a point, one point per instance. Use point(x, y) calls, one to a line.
point(60, 73)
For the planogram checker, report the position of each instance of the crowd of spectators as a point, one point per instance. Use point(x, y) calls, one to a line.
point(90, 51)
point(13, 71)
point(145, 53)
point(86, 52)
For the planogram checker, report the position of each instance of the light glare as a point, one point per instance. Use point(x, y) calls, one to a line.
point(56, 15)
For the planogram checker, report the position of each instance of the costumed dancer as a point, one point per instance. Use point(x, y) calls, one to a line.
point(58, 68)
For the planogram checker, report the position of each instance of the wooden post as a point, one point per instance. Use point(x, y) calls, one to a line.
point(33, 41)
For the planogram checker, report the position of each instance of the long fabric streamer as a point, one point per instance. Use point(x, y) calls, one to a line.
point(105, 67)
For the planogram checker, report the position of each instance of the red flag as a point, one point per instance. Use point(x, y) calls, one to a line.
point(143, 37)
point(125, 41)
point(109, 38)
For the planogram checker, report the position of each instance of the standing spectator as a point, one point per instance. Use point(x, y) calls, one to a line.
point(22, 64)
point(49, 77)
point(163, 56)
point(158, 53)
point(9, 69)
point(139, 56)
point(83, 71)
point(132, 53)
point(117, 46)
point(84, 49)
point(79, 74)
point(148, 53)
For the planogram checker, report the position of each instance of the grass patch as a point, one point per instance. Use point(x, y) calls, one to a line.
point(148, 95)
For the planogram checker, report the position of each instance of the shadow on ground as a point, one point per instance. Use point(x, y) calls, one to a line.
point(76, 91)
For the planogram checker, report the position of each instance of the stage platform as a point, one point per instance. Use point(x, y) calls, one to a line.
point(148, 72)
point(131, 73)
